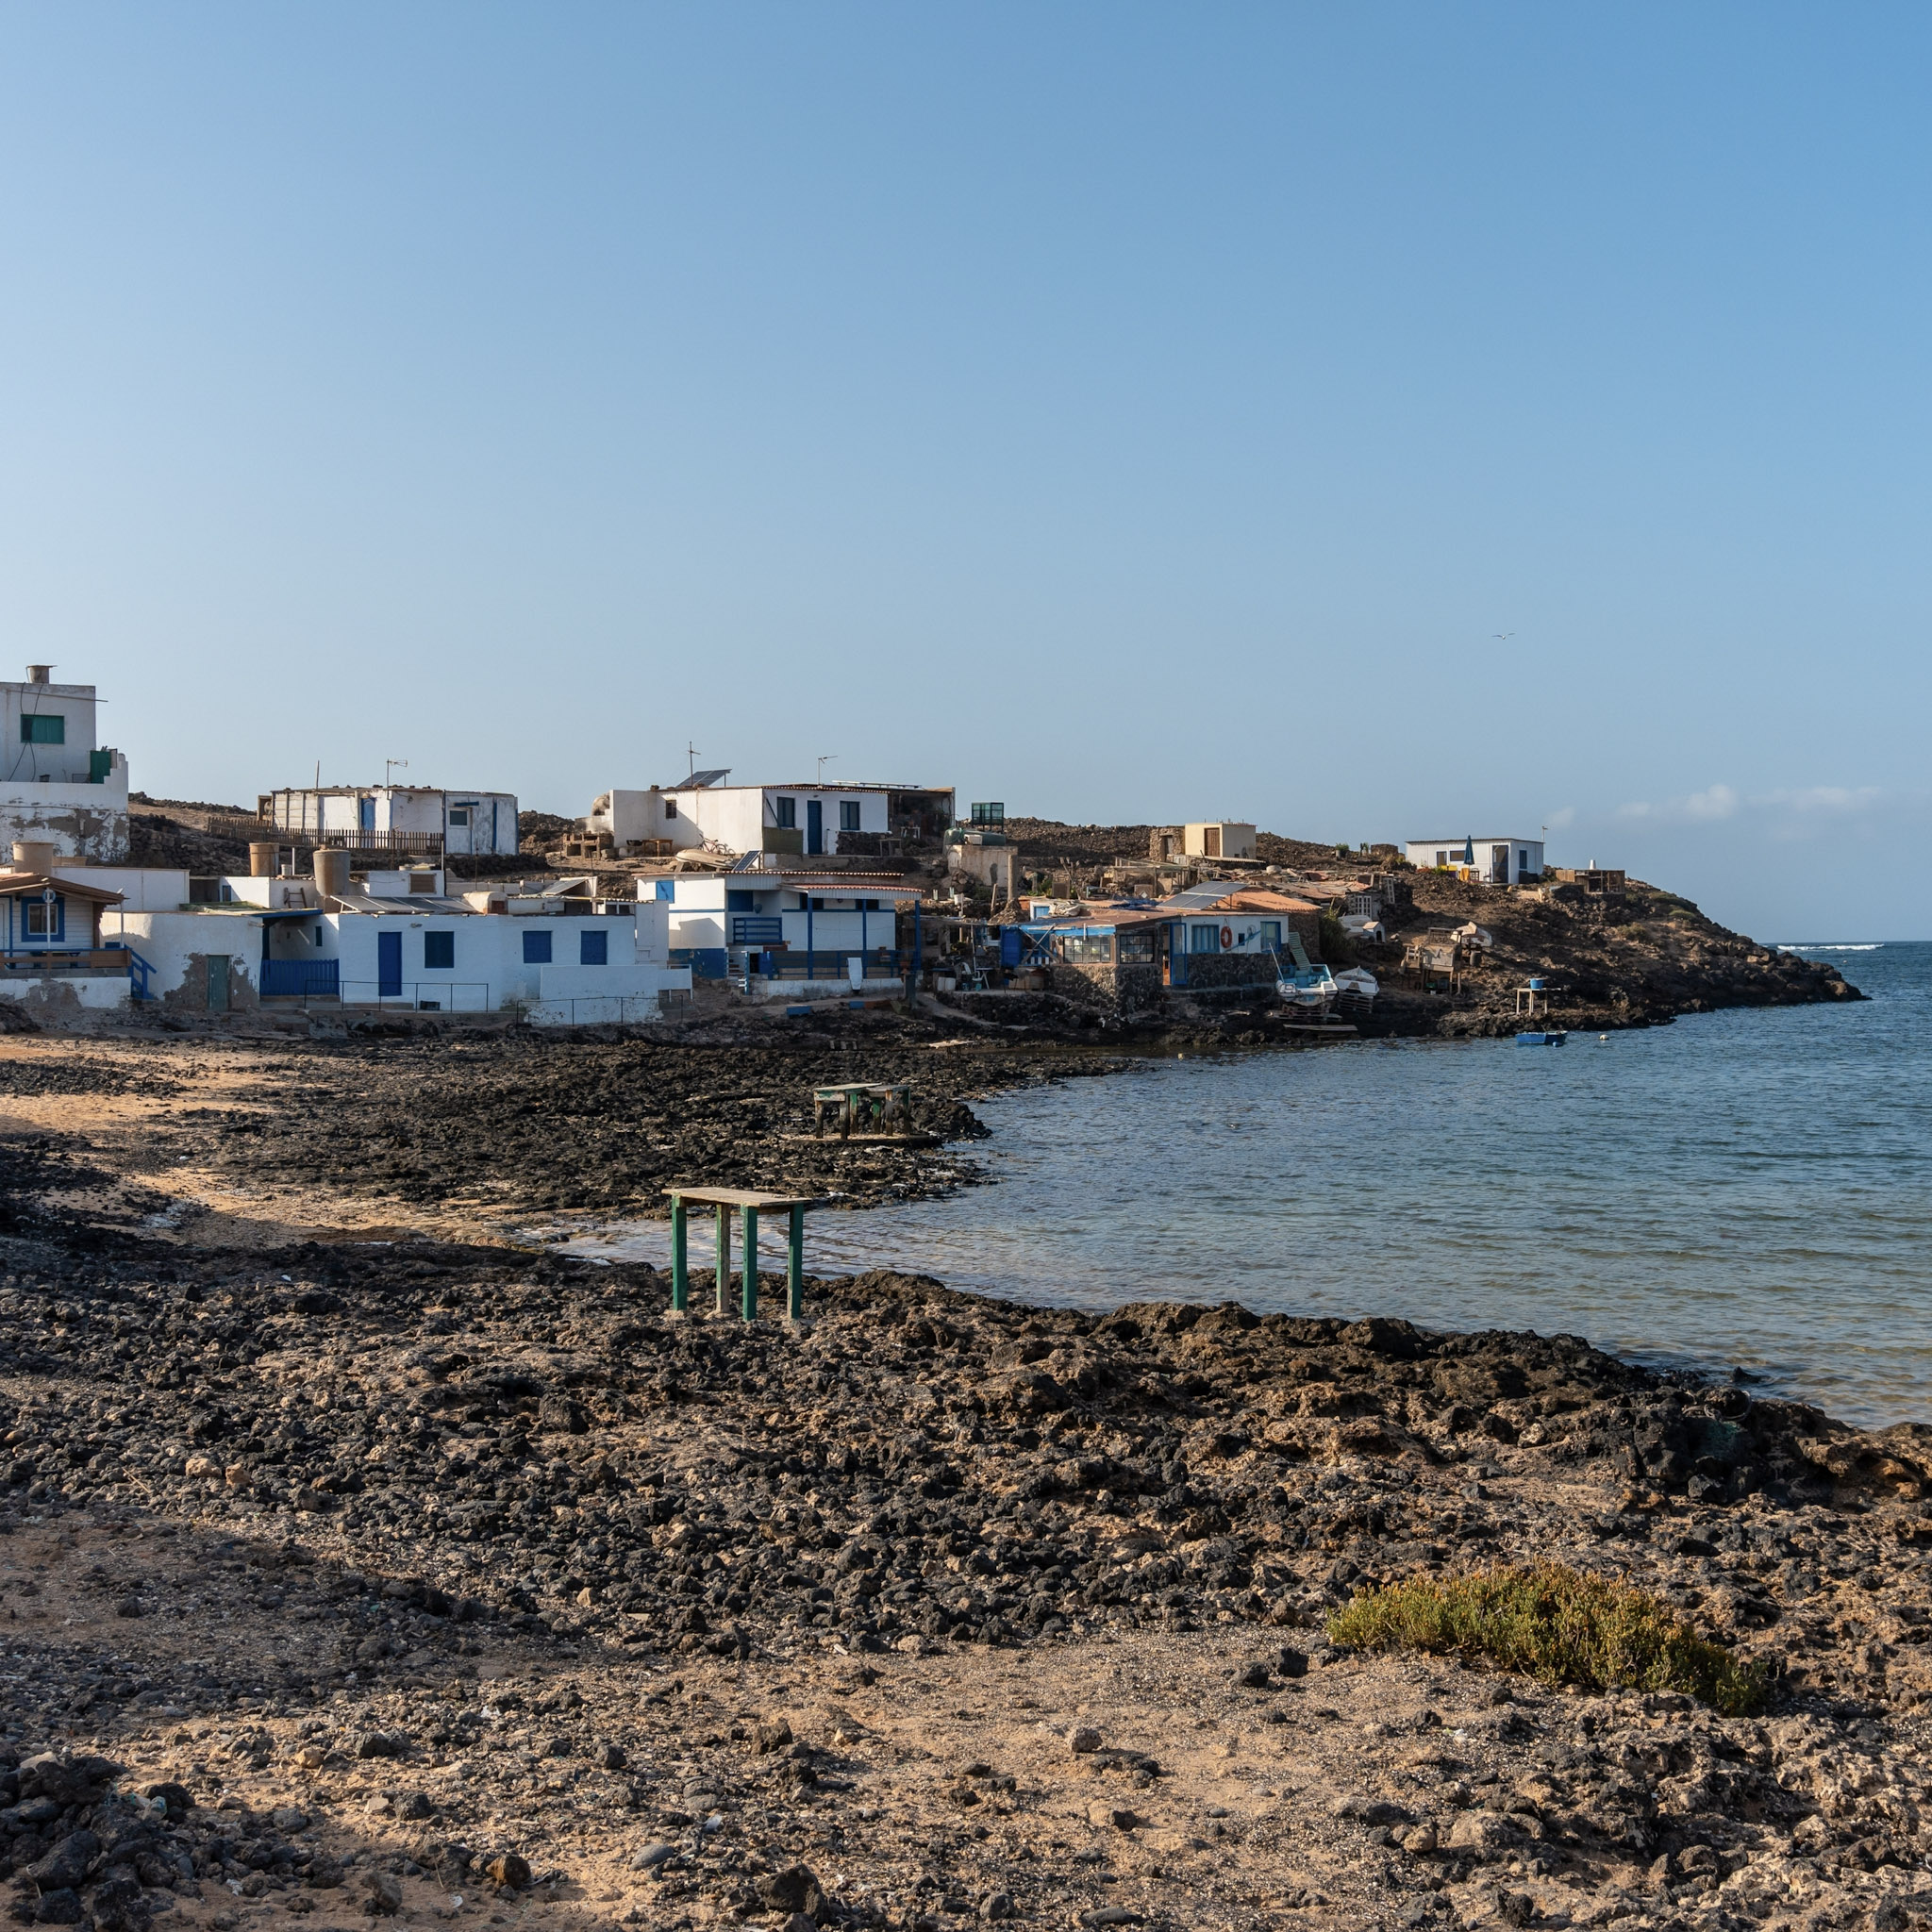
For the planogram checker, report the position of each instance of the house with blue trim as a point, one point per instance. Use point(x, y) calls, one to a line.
point(775, 926)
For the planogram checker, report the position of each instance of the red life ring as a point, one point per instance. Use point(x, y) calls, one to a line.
point(1227, 939)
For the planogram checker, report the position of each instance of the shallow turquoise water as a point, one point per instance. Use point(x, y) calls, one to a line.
point(1740, 1189)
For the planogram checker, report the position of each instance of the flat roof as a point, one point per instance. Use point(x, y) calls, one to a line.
point(805, 785)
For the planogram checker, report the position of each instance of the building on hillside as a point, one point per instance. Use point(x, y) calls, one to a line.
point(59, 785)
point(982, 853)
point(1218, 839)
point(385, 821)
point(793, 925)
point(1206, 939)
point(809, 820)
point(1495, 860)
point(1598, 882)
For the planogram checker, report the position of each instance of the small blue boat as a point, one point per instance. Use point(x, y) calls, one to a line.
point(1541, 1038)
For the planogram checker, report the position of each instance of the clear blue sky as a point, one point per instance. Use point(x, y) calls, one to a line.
point(1127, 413)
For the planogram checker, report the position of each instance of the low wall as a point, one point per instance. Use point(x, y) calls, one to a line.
point(1212, 972)
point(763, 989)
point(1106, 987)
point(56, 994)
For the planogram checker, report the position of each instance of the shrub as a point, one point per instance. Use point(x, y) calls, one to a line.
point(1555, 1624)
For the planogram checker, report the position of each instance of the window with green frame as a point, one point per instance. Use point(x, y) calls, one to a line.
point(42, 728)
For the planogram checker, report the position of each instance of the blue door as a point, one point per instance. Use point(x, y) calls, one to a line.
point(388, 965)
point(365, 814)
point(814, 825)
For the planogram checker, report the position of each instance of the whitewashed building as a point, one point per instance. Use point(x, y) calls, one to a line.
point(808, 820)
point(777, 926)
point(404, 820)
point(1499, 861)
point(58, 784)
point(558, 960)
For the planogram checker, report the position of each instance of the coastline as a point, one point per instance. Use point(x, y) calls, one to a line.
point(510, 1568)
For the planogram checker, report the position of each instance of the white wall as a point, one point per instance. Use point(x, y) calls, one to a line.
point(65, 763)
point(737, 816)
point(78, 819)
point(492, 827)
point(172, 943)
point(143, 889)
point(1425, 854)
point(49, 997)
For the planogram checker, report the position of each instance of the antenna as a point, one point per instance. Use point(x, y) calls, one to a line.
point(830, 758)
point(690, 752)
point(388, 765)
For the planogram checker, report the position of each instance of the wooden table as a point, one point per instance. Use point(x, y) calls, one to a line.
point(750, 1202)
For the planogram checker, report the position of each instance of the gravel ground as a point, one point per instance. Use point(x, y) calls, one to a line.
point(385, 1577)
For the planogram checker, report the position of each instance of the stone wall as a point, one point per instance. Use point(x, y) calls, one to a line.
point(1109, 989)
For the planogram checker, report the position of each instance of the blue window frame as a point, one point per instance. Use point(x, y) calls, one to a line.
point(786, 810)
point(439, 952)
point(594, 949)
point(1271, 935)
point(667, 888)
point(537, 948)
point(1204, 939)
point(43, 728)
point(45, 923)
point(848, 814)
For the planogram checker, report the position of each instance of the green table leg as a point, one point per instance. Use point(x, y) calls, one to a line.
point(749, 1307)
point(724, 1295)
point(794, 1270)
point(680, 1270)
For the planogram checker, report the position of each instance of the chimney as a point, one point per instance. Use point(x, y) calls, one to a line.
point(37, 673)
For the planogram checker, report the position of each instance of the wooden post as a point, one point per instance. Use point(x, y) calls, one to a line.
point(749, 1307)
point(681, 1272)
point(724, 1291)
point(794, 1269)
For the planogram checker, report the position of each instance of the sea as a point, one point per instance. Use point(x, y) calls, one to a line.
point(1741, 1191)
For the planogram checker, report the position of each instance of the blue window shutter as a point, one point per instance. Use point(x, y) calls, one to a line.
point(439, 952)
point(594, 949)
point(667, 888)
point(537, 949)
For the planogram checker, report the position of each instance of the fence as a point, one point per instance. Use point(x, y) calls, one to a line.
point(422, 996)
point(306, 979)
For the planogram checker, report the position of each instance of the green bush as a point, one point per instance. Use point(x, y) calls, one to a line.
point(1555, 1624)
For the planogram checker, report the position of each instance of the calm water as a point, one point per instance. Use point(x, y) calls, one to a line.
point(1738, 1188)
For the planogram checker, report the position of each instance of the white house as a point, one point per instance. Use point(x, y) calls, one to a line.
point(793, 925)
point(427, 819)
point(810, 819)
point(59, 785)
point(563, 961)
point(1500, 862)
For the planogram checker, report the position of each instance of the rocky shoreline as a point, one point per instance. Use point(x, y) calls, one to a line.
point(410, 1577)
